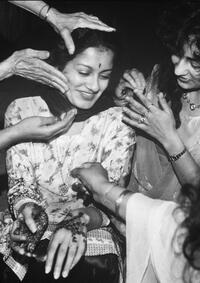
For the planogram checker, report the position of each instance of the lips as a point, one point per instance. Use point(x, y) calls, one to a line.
point(87, 95)
point(182, 80)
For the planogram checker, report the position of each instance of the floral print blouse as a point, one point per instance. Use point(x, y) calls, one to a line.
point(40, 172)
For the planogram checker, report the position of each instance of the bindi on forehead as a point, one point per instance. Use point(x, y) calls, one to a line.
point(99, 65)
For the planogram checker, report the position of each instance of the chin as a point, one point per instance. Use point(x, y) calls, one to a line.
point(84, 105)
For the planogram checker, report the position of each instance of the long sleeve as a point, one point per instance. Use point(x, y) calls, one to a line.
point(20, 167)
point(118, 149)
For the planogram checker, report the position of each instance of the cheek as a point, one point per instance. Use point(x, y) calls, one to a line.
point(73, 80)
point(104, 85)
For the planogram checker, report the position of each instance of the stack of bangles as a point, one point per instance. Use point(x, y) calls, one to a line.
point(115, 199)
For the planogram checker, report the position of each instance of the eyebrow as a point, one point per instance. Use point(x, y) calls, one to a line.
point(87, 66)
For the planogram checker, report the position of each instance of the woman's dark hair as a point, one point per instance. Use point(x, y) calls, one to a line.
point(190, 204)
point(83, 38)
point(178, 25)
point(59, 56)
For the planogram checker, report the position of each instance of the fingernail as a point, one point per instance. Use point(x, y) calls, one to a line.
point(56, 275)
point(47, 54)
point(127, 98)
point(47, 269)
point(64, 274)
point(74, 111)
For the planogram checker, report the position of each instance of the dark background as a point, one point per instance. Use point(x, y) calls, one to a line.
point(136, 21)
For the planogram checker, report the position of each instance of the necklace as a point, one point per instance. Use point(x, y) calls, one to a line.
point(193, 106)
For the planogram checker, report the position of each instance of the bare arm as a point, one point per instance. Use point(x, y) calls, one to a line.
point(62, 23)
point(158, 122)
point(95, 178)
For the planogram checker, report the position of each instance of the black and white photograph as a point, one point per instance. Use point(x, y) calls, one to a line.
point(99, 141)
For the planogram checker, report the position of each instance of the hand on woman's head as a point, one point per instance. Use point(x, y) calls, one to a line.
point(28, 63)
point(66, 23)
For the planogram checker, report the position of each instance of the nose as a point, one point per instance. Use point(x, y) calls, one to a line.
point(180, 66)
point(93, 84)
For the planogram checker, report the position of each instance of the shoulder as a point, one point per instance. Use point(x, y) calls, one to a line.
point(25, 107)
point(112, 116)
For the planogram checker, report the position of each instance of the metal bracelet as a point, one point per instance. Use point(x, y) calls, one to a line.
point(120, 199)
point(175, 157)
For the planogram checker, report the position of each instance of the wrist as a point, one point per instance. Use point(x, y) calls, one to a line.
point(52, 16)
point(16, 134)
point(173, 144)
point(6, 68)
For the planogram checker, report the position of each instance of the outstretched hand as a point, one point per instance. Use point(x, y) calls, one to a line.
point(38, 128)
point(64, 24)
point(28, 63)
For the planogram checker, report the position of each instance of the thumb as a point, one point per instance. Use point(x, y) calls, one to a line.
point(66, 35)
point(40, 54)
point(28, 219)
point(163, 102)
point(47, 121)
point(67, 119)
point(75, 173)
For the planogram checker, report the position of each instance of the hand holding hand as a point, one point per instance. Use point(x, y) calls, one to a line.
point(94, 177)
point(28, 63)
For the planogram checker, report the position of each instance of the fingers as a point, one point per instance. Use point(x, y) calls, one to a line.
point(47, 121)
point(63, 125)
point(68, 250)
point(66, 35)
point(55, 77)
point(28, 219)
point(62, 252)
point(70, 257)
point(163, 103)
point(40, 54)
point(35, 69)
point(14, 235)
point(79, 252)
point(132, 119)
point(51, 252)
point(135, 79)
point(93, 22)
point(136, 106)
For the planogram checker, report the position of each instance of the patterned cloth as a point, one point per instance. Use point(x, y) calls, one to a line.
point(40, 172)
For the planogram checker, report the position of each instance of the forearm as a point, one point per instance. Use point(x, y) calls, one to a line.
point(6, 69)
point(8, 137)
point(115, 198)
point(38, 8)
point(31, 6)
point(185, 167)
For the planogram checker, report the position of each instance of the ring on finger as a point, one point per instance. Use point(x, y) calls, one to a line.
point(141, 120)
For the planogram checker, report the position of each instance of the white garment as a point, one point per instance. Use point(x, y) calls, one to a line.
point(152, 237)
